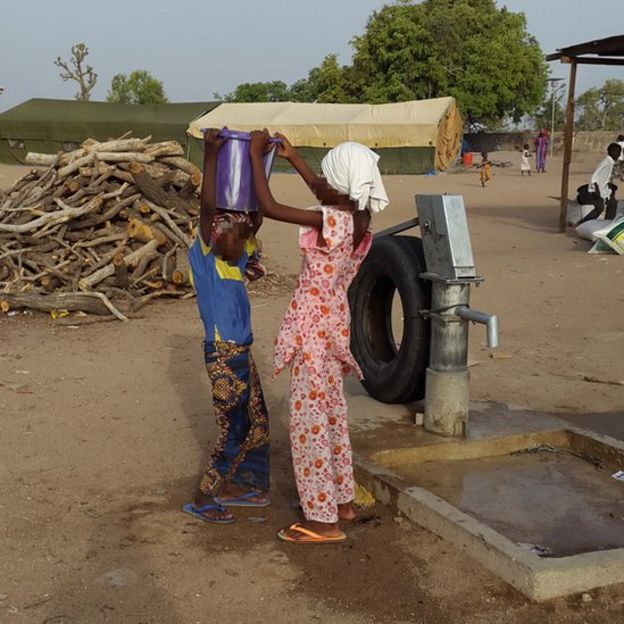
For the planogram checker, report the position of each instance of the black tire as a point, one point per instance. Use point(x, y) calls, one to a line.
point(391, 374)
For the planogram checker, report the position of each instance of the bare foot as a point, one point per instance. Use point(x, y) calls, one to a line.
point(346, 512)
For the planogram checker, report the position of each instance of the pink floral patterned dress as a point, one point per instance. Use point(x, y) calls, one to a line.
point(314, 341)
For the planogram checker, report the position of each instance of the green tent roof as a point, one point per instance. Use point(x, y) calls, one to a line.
point(69, 120)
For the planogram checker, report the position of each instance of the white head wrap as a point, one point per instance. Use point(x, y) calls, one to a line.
point(351, 168)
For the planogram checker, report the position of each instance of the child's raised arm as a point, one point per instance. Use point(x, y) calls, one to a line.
point(208, 197)
point(268, 206)
point(287, 151)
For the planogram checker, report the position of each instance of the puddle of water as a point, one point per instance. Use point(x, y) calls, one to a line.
point(556, 501)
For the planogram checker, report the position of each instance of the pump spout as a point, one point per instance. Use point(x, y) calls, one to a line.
point(490, 320)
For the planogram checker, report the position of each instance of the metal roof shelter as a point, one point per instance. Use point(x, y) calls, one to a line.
point(609, 51)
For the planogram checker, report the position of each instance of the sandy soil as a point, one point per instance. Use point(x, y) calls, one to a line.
point(105, 428)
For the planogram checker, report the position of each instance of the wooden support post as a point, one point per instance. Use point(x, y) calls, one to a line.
point(567, 148)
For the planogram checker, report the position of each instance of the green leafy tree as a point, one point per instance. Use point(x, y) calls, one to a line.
point(602, 108)
point(138, 87)
point(329, 82)
point(302, 91)
point(276, 91)
point(76, 70)
point(470, 49)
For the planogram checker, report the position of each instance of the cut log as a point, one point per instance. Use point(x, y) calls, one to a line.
point(69, 157)
point(131, 259)
point(118, 145)
point(50, 282)
point(167, 178)
point(40, 160)
point(102, 168)
point(73, 185)
point(141, 231)
point(43, 186)
point(14, 252)
point(141, 271)
point(182, 268)
point(84, 225)
point(110, 213)
point(109, 306)
point(143, 157)
point(154, 192)
point(108, 257)
point(74, 166)
point(121, 271)
point(168, 265)
point(61, 216)
point(184, 239)
point(181, 163)
point(191, 185)
point(60, 301)
point(111, 238)
point(165, 231)
point(165, 148)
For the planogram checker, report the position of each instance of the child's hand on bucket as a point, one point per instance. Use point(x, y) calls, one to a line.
point(212, 141)
point(260, 143)
point(284, 146)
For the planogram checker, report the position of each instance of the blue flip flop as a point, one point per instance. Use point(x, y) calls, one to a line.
point(243, 501)
point(198, 512)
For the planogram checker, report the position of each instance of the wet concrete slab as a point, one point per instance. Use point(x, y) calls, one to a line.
point(610, 423)
point(556, 502)
point(546, 521)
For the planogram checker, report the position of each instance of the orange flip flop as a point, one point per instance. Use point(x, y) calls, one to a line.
point(310, 536)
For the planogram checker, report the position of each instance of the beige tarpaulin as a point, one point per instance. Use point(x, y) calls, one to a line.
point(424, 123)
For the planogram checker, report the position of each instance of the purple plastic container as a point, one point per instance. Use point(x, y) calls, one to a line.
point(235, 189)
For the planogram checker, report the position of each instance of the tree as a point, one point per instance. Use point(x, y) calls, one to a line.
point(329, 82)
point(276, 91)
point(302, 91)
point(602, 108)
point(470, 49)
point(76, 71)
point(138, 87)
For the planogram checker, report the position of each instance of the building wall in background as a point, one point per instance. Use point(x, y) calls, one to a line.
point(587, 142)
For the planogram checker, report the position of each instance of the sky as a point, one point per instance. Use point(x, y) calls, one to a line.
point(198, 47)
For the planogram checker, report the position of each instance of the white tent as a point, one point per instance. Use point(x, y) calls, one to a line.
point(435, 123)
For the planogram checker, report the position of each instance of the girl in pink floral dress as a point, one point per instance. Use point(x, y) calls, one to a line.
point(314, 337)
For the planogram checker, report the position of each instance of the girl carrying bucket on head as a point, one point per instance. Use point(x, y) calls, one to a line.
point(237, 474)
point(314, 337)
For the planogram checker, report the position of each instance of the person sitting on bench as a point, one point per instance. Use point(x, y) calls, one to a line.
point(600, 192)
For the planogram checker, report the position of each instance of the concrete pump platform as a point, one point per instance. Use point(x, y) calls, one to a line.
point(528, 496)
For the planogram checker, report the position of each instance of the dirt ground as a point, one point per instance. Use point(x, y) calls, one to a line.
point(105, 428)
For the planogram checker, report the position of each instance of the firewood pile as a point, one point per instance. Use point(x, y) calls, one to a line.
point(102, 229)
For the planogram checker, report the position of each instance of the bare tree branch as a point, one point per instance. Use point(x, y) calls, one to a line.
point(74, 70)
